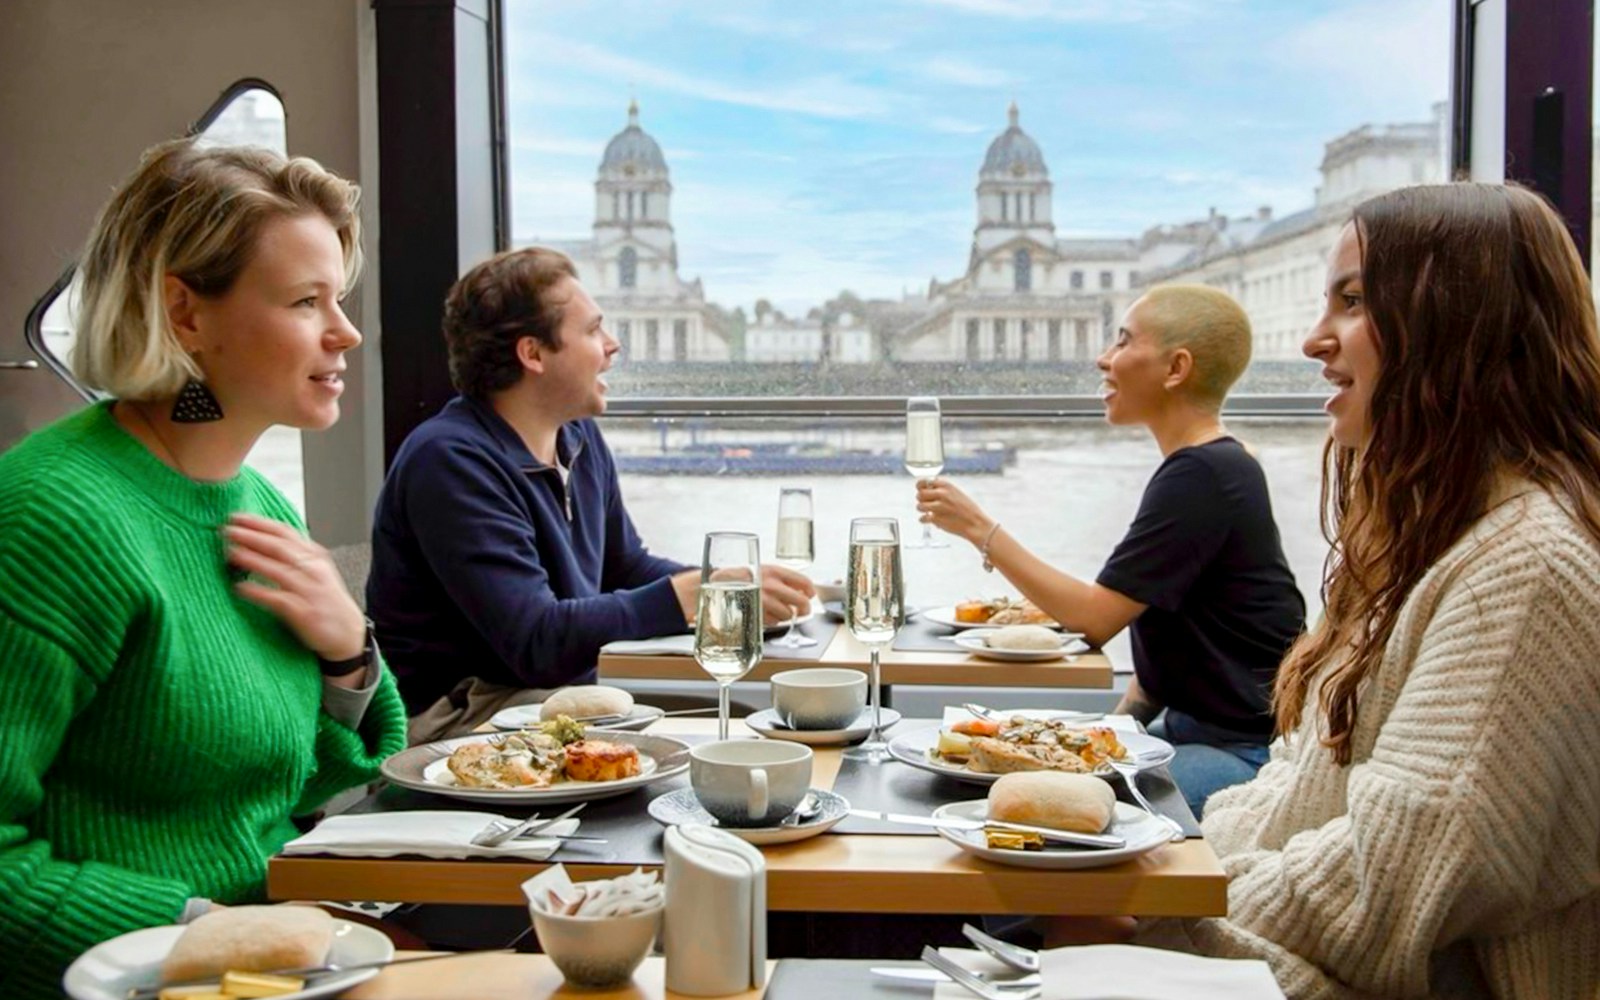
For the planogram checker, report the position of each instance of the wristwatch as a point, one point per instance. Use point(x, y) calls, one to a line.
point(365, 658)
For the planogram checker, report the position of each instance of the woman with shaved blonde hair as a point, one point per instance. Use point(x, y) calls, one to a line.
point(182, 671)
point(1200, 576)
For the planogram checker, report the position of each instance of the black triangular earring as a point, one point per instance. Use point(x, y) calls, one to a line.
point(195, 404)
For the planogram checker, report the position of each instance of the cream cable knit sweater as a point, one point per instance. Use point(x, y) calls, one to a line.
point(1461, 849)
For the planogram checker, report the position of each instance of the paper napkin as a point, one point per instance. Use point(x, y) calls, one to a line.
point(1129, 972)
point(429, 833)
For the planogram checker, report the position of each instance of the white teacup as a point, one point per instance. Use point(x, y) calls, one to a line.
point(750, 782)
point(819, 697)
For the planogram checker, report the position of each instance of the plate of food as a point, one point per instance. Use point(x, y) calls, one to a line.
point(1020, 643)
point(251, 940)
point(560, 761)
point(981, 750)
point(1054, 801)
point(990, 614)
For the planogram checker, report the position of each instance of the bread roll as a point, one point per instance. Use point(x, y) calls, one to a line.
point(250, 939)
point(586, 701)
point(1028, 637)
point(1076, 802)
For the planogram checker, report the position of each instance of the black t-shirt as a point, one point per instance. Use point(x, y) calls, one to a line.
point(1204, 554)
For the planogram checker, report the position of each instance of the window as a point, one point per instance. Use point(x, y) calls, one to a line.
point(869, 195)
point(680, 340)
point(652, 340)
point(628, 268)
point(624, 328)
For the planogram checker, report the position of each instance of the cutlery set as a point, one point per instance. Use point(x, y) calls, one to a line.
point(1096, 840)
point(530, 827)
point(1028, 984)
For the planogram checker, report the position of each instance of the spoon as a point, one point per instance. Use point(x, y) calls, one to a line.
point(806, 811)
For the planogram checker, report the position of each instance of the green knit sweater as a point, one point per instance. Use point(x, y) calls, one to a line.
point(157, 732)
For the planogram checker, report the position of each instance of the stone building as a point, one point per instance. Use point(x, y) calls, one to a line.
point(630, 263)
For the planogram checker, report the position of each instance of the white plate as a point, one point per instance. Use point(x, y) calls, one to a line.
point(912, 748)
point(682, 807)
point(132, 961)
point(975, 641)
point(527, 717)
point(767, 724)
point(946, 616)
point(426, 768)
point(1142, 831)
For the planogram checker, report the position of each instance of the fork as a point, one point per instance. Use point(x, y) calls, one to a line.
point(964, 977)
point(532, 823)
point(1019, 958)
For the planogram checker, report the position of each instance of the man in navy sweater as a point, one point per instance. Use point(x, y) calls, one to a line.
point(502, 555)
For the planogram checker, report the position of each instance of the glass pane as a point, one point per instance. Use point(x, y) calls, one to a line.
point(914, 168)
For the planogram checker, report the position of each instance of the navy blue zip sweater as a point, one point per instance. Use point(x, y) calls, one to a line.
point(485, 565)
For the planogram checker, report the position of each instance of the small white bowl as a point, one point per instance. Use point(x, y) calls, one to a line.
point(597, 951)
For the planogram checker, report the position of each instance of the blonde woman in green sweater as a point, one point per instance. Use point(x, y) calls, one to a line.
point(181, 670)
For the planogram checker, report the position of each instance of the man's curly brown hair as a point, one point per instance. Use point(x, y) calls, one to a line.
point(496, 304)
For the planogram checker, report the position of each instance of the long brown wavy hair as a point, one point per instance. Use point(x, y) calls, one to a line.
point(1489, 363)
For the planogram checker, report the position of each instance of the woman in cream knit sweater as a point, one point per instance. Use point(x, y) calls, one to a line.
point(1430, 825)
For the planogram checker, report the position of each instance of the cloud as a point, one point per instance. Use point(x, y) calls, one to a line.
point(965, 74)
point(1085, 11)
point(823, 96)
point(559, 147)
point(956, 126)
point(1403, 64)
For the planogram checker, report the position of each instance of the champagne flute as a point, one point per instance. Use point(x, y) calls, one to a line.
point(797, 549)
point(727, 626)
point(924, 454)
point(873, 609)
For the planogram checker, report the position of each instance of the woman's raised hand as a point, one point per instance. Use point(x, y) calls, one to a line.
point(944, 506)
point(306, 590)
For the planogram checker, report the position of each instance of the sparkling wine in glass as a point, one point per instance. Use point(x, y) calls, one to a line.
point(874, 589)
point(925, 453)
point(797, 549)
point(727, 627)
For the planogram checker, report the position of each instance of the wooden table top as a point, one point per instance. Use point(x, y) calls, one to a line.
point(510, 977)
point(1084, 670)
point(849, 873)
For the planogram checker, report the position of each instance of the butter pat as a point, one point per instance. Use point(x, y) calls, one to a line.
point(209, 991)
point(248, 985)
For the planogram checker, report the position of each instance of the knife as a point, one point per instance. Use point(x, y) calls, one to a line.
point(1098, 840)
point(314, 971)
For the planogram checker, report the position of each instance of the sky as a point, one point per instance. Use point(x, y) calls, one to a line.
point(827, 145)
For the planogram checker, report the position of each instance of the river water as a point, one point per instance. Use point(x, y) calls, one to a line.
point(1070, 497)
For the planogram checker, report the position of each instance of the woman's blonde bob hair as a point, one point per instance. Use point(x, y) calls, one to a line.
point(194, 213)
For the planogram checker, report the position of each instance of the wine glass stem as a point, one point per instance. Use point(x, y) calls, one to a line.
point(877, 698)
point(927, 533)
point(722, 710)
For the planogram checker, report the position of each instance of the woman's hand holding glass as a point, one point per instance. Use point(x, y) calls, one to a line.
point(305, 592)
point(943, 505)
point(785, 594)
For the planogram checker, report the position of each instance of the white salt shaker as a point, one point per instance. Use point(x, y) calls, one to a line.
point(715, 935)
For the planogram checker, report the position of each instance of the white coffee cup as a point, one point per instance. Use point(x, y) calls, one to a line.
point(819, 697)
point(750, 782)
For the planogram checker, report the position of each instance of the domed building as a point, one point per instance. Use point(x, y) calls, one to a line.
point(1027, 295)
point(630, 263)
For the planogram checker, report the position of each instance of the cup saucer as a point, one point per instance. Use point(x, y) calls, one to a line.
point(681, 806)
point(767, 723)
